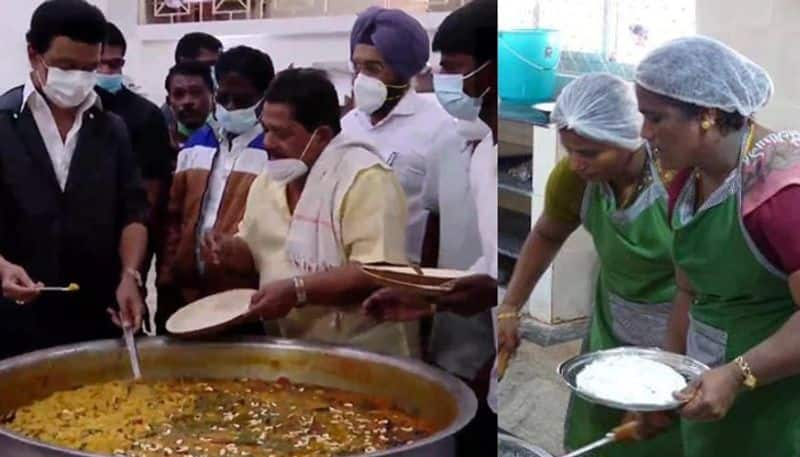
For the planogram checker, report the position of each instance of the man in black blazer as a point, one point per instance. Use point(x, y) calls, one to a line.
point(72, 204)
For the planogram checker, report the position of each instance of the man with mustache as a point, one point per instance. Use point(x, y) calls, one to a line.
point(190, 91)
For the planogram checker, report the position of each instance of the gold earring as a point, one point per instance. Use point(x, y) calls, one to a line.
point(706, 124)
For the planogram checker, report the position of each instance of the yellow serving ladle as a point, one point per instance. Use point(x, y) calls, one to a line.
point(72, 287)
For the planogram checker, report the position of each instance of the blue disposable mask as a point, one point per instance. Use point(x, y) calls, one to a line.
point(449, 90)
point(237, 121)
point(111, 83)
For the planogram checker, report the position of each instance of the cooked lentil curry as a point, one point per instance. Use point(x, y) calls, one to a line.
point(205, 418)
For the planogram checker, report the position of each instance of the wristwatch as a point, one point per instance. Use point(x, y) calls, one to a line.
point(300, 291)
point(750, 380)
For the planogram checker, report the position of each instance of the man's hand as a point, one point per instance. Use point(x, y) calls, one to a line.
point(470, 295)
point(211, 247)
point(226, 251)
point(397, 305)
point(131, 306)
point(274, 300)
point(17, 285)
point(711, 397)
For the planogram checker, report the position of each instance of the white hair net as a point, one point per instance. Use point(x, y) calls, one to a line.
point(707, 73)
point(600, 107)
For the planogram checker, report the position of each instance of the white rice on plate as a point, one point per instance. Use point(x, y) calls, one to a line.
point(630, 379)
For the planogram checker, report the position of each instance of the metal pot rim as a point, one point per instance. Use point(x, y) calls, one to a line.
point(463, 395)
point(523, 444)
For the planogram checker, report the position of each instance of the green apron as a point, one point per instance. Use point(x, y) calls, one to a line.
point(633, 297)
point(741, 300)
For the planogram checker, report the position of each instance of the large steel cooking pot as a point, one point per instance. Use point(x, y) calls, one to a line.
point(510, 446)
point(419, 389)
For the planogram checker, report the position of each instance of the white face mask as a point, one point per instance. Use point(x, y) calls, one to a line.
point(68, 88)
point(237, 121)
point(450, 92)
point(284, 171)
point(370, 93)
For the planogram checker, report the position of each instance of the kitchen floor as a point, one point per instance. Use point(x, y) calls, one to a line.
point(533, 399)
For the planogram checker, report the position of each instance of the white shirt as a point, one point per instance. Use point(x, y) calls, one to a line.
point(461, 345)
point(60, 151)
point(224, 162)
point(405, 139)
point(446, 185)
point(483, 183)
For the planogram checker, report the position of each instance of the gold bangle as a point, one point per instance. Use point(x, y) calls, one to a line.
point(750, 380)
point(508, 315)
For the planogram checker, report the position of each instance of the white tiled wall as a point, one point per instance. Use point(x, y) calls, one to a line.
point(766, 31)
point(564, 292)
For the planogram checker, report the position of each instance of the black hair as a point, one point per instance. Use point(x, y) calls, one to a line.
point(74, 19)
point(114, 37)
point(190, 45)
point(310, 94)
point(190, 68)
point(471, 30)
point(726, 122)
point(251, 63)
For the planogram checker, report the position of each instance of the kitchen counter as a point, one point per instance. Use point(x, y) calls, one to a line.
point(522, 113)
point(507, 182)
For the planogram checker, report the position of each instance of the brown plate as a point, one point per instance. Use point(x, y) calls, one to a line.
point(432, 281)
point(211, 314)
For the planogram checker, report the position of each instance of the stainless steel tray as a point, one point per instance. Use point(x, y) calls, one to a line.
point(689, 368)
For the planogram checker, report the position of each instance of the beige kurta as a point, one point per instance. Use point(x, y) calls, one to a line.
point(373, 219)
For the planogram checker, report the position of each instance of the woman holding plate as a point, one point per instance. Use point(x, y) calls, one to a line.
point(612, 185)
point(734, 209)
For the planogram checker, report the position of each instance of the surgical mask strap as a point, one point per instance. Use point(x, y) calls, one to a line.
point(476, 71)
point(308, 145)
point(398, 96)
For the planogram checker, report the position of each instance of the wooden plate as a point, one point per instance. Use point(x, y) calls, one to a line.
point(211, 314)
point(432, 281)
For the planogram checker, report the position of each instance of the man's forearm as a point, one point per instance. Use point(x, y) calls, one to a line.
point(237, 257)
point(133, 246)
point(342, 286)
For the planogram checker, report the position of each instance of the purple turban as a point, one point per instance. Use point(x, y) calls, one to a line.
point(400, 39)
